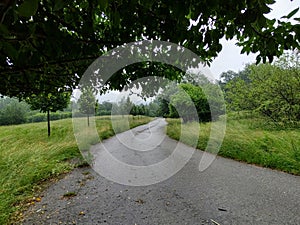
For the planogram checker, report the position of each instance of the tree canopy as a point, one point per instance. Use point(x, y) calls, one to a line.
point(12, 111)
point(47, 102)
point(272, 90)
point(47, 45)
point(87, 103)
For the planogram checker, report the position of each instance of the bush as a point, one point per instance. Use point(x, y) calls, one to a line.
point(42, 117)
point(193, 101)
point(39, 117)
point(12, 111)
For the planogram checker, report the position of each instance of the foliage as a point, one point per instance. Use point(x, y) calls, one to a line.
point(48, 102)
point(107, 108)
point(191, 102)
point(225, 77)
point(231, 76)
point(138, 110)
point(12, 111)
point(47, 45)
point(123, 107)
point(41, 117)
point(104, 108)
point(196, 97)
point(163, 99)
point(153, 109)
point(273, 90)
point(87, 103)
point(164, 109)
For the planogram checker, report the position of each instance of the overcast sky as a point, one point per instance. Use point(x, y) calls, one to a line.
point(231, 59)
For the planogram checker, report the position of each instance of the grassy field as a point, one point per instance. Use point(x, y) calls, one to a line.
point(250, 140)
point(28, 158)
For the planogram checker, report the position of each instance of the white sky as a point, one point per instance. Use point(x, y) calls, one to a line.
point(231, 59)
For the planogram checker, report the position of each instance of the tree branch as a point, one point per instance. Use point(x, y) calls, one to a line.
point(56, 62)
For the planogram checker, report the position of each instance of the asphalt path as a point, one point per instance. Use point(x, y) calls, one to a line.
point(228, 192)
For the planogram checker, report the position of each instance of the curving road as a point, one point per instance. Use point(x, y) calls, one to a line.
point(228, 192)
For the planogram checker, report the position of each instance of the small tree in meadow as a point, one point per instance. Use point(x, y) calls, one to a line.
point(87, 102)
point(49, 102)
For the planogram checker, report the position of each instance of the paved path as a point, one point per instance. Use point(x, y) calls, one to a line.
point(228, 192)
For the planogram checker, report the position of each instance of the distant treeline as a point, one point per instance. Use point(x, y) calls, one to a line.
point(14, 112)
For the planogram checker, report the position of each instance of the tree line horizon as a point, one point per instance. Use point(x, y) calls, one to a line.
point(268, 90)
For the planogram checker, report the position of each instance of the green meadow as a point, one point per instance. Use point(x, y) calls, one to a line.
point(28, 158)
point(250, 140)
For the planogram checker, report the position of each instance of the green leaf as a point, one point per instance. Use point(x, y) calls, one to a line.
point(116, 19)
point(59, 4)
point(3, 29)
point(297, 19)
point(230, 31)
point(291, 14)
point(103, 4)
point(28, 8)
point(10, 51)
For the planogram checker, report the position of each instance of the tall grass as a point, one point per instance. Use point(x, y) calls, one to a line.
point(249, 140)
point(28, 157)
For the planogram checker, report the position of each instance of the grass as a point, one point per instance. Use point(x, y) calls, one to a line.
point(28, 158)
point(250, 140)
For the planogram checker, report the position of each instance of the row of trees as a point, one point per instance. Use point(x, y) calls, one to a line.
point(12, 111)
point(127, 107)
point(187, 100)
point(272, 90)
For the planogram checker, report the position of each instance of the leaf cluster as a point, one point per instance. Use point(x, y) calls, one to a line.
point(273, 90)
point(47, 45)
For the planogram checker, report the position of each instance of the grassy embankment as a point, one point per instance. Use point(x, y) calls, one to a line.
point(28, 158)
point(250, 140)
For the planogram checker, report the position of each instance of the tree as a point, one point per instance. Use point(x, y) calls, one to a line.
point(104, 108)
point(139, 110)
point(87, 103)
point(190, 102)
point(81, 31)
point(123, 107)
point(153, 109)
point(12, 111)
point(230, 75)
point(48, 102)
point(272, 90)
point(225, 77)
point(164, 109)
point(163, 99)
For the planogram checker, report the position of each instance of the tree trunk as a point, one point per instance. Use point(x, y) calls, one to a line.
point(88, 119)
point(48, 119)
